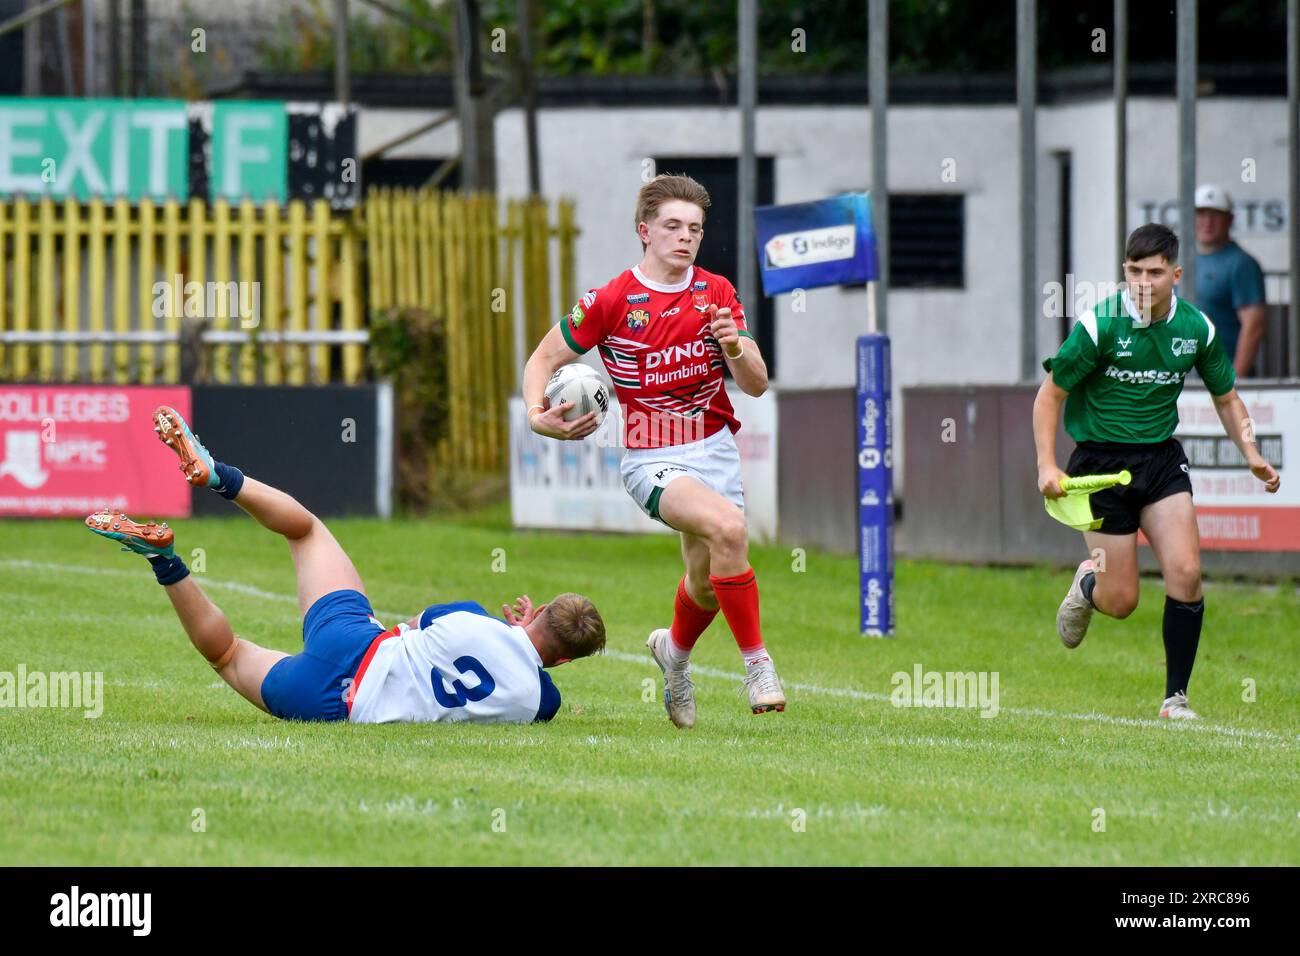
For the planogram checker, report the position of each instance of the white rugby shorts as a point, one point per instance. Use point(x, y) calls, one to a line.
point(714, 460)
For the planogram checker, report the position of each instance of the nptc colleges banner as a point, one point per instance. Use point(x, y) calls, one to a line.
point(160, 149)
point(811, 244)
point(69, 450)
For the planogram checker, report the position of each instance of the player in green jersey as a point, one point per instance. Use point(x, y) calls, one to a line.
point(1119, 373)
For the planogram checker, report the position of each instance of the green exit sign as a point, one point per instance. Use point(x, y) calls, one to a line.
point(143, 148)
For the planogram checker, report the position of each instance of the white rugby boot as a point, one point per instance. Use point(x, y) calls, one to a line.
point(1175, 708)
point(679, 689)
point(1075, 612)
point(764, 687)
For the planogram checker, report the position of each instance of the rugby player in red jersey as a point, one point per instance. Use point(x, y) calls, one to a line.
point(664, 328)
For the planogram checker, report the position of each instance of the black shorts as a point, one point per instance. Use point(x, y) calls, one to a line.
point(1159, 470)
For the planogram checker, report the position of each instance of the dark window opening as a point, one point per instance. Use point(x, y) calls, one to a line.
point(407, 173)
point(927, 241)
point(1064, 227)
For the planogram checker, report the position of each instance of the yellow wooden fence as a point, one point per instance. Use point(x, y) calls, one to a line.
point(98, 291)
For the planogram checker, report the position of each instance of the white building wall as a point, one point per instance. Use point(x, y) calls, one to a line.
point(1230, 132)
point(968, 335)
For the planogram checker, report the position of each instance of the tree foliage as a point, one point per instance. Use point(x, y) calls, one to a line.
point(808, 37)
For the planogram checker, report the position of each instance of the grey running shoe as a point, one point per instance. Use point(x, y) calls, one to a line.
point(1075, 611)
point(679, 690)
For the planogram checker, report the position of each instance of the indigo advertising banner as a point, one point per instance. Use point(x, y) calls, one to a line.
point(875, 486)
point(811, 244)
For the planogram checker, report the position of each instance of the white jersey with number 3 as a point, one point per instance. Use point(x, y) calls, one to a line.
point(460, 664)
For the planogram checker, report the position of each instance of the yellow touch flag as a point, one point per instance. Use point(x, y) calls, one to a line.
point(1075, 509)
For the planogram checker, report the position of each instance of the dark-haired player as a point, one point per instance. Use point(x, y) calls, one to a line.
point(1120, 372)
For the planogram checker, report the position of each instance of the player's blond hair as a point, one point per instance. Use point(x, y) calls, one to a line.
point(665, 188)
point(575, 626)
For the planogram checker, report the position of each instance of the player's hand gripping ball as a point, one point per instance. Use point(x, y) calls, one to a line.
point(580, 386)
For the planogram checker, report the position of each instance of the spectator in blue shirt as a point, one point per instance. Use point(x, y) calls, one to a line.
point(1229, 281)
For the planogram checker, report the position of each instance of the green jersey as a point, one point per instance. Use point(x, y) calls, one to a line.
point(1124, 374)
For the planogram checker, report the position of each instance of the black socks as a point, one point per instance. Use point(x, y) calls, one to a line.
point(1086, 584)
point(169, 570)
point(230, 479)
point(1182, 635)
point(1182, 632)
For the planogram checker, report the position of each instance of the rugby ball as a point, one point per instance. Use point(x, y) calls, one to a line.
point(581, 385)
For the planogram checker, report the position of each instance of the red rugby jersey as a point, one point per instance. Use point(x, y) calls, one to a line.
point(655, 342)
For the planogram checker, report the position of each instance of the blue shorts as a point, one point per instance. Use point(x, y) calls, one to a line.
point(313, 685)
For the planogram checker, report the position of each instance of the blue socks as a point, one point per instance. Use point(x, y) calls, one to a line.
point(169, 570)
point(229, 479)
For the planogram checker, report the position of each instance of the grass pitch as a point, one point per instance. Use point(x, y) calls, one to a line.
point(179, 770)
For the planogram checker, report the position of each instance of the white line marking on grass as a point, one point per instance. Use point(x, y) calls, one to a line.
point(703, 671)
point(52, 566)
point(123, 573)
point(713, 672)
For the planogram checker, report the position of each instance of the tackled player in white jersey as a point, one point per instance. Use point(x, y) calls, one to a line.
point(451, 662)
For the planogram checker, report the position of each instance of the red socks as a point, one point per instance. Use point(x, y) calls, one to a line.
point(738, 599)
point(689, 619)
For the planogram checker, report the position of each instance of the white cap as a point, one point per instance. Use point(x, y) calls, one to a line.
point(1210, 196)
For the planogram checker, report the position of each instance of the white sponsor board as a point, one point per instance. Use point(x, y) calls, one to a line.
point(576, 485)
point(1233, 511)
point(811, 245)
